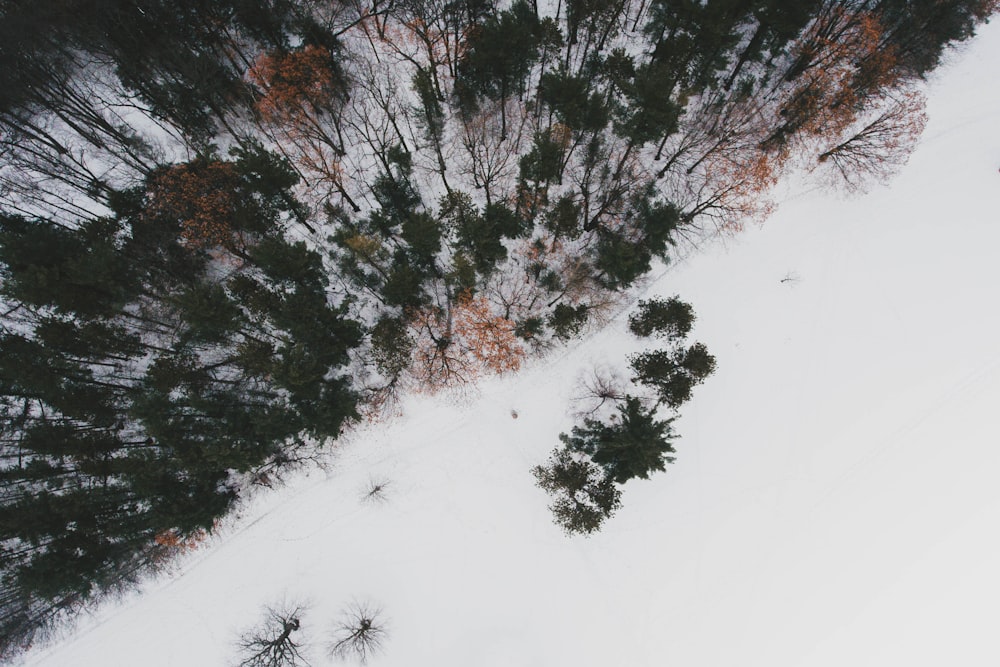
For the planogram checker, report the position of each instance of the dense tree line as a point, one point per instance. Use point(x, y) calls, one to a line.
point(143, 374)
point(224, 226)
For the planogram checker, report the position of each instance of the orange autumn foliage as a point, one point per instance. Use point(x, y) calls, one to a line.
point(295, 83)
point(437, 361)
point(528, 200)
point(844, 63)
point(173, 541)
point(418, 37)
point(302, 95)
point(561, 135)
point(455, 347)
point(200, 195)
point(878, 145)
point(732, 188)
point(488, 337)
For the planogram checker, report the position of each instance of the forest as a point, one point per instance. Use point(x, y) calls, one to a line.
point(230, 230)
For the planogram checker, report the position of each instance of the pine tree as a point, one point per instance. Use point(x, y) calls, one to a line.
point(633, 446)
point(671, 319)
point(584, 494)
point(673, 373)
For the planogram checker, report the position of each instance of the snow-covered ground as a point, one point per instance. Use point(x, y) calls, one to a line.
point(834, 502)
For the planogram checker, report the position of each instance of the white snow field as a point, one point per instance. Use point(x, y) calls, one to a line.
point(835, 499)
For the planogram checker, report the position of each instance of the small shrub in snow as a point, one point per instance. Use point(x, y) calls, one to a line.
point(375, 491)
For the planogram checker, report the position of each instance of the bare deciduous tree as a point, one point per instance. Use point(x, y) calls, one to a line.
point(598, 391)
point(491, 159)
point(270, 643)
point(359, 634)
point(456, 345)
point(877, 147)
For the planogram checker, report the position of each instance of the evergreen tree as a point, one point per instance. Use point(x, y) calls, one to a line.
point(918, 31)
point(392, 346)
point(170, 329)
point(74, 271)
point(673, 374)
point(620, 260)
point(571, 99)
point(625, 252)
point(141, 377)
point(633, 446)
point(566, 321)
point(651, 112)
point(584, 494)
point(543, 163)
point(480, 235)
point(671, 319)
point(500, 55)
point(563, 218)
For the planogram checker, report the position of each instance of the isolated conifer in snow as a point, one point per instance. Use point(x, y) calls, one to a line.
point(665, 318)
point(584, 495)
point(634, 445)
